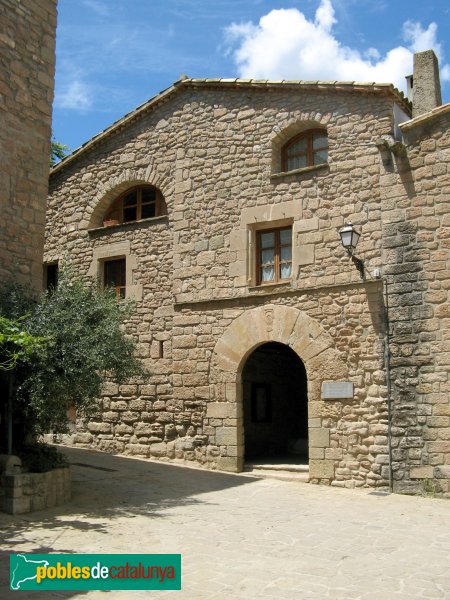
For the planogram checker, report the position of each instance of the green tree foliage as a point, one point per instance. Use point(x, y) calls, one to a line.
point(82, 345)
point(58, 152)
point(16, 345)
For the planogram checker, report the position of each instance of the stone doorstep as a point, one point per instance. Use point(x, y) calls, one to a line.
point(292, 468)
point(298, 476)
point(284, 472)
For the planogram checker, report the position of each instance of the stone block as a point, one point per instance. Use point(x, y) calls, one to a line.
point(158, 450)
point(228, 463)
point(333, 453)
point(111, 416)
point(82, 438)
point(143, 429)
point(216, 242)
point(226, 436)
point(319, 438)
point(321, 469)
point(220, 410)
point(425, 472)
point(303, 225)
point(99, 427)
point(137, 449)
point(442, 472)
point(16, 506)
point(303, 254)
point(315, 453)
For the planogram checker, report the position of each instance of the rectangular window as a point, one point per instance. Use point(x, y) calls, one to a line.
point(274, 255)
point(115, 276)
point(51, 276)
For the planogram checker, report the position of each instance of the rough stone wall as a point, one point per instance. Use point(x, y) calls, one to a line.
point(27, 492)
point(211, 153)
point(27, 48)
point(416, 234)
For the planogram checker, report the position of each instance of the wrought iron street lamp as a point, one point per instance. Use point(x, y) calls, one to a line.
point(349, 238)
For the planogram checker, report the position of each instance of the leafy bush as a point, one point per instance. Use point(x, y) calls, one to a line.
point(16, 345)
point(39, 458)
point(80, 345)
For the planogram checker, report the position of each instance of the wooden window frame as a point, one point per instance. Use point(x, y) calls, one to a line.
point(277, 261)
point(310, 150)
point(117, 288)
point(115, 213)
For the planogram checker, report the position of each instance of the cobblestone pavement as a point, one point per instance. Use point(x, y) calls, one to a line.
point(242, 537)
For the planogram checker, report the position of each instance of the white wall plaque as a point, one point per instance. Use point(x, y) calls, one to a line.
point(337, 389)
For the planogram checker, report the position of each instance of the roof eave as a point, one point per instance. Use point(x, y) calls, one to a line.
point(428, 116)
point(349, 86)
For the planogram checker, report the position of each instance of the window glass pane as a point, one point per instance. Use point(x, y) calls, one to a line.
point(286, 236)
point(285, 253)
point(297, 147)
point(320, 157)
point(148, 195)
point(297, 162)
point(268, 256)
point(320, 141)
point(130, 199)
point(285, 270)
point(115, 272)
point(129, 214)
point(267, 274)
point(267, 240)
point(148, 211)
point(115, 276)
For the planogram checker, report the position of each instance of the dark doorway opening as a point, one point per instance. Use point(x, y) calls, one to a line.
point(275, 405)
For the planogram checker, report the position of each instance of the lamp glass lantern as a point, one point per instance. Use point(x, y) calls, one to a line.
point(349, 237)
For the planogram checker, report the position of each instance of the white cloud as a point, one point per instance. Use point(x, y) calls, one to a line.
point(100, 8)
point(285, 45)
point(76, 95)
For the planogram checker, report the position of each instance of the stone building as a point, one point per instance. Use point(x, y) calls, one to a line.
point(27, 50)
point(217, 207)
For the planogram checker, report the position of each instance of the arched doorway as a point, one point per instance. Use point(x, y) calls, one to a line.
point(275, 403)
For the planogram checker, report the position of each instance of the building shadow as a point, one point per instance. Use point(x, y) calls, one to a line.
point(106, 488)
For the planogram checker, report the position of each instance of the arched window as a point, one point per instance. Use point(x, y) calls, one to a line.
point(137, 203)
point(306, 149)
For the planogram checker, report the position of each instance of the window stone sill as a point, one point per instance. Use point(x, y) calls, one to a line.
point(269, 287)
point(127, 226)
point(301, 171)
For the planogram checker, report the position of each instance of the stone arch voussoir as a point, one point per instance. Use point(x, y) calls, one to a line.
point(283, 324)
point(108, 192)
point(288, 128)
point(270, 323)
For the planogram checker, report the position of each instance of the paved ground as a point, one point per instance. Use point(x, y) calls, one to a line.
point(240, 537)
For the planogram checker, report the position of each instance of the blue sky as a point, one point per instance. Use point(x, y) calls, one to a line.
point(112, 55)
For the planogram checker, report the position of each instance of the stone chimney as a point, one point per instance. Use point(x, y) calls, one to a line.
point(426, 86)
